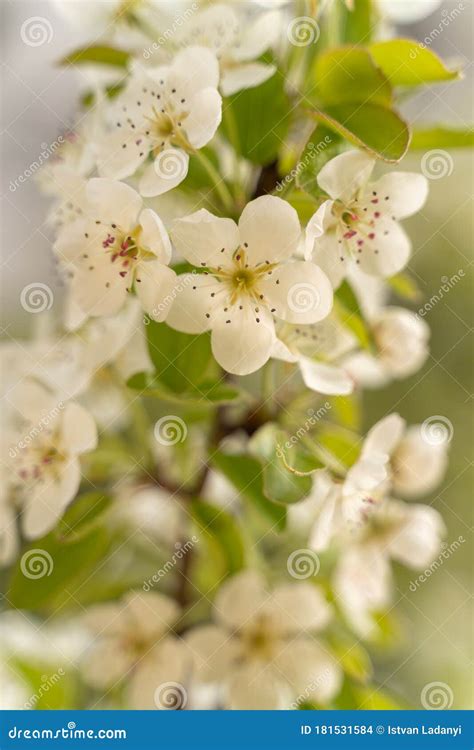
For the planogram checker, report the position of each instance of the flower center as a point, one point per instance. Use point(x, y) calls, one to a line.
point(259, 639)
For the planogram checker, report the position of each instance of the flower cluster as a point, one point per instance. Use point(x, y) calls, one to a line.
point(191, 287)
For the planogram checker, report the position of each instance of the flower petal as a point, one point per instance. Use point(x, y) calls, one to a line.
point(257, 37)
point(113, 202)
point(158, 680)
point(195, 298)
point(167, 171)
point(154, 285)
point(298, 606)
point(204, 239)
point(298, 292)
point(419, 465)
point(239, 599)
point(47, 501)
point(119, 155)
point(245, 76)
point(324, 378)
point(242, 339)
point(213, 651)
point(204, 117)
point(154, 235)
point(150, 613)
point(331, 257)
point(311, 670)
point(384, 436)
point(320, 222)
point(256, 686)
point(342, 177)
point(193, 69)
point(100, 289)
point(271, 229)
point(78, 430)
point(401, 193)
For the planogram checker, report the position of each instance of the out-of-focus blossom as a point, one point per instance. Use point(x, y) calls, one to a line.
point(262, 651)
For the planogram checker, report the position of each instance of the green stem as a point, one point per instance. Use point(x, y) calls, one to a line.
point(224, 193)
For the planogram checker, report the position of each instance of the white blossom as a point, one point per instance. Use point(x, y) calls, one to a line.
point(262, 651)
point(237, 42)
point(359, 224)
point(133, 644)
point(248, 278)
point(167, 113)
point(119, 247)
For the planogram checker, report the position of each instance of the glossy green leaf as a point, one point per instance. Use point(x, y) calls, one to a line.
point(424, 139)
point(354, 660)
point(221, 532)
point(370, 126)
point(359, 21)
point(181, 361)
point(347, 74)
point(258, 120)
point(99, 54)
point(408, 63)
point(85, 514)
point(246, 474)
point(350, 315)
point(405, 287)
point(207, 393)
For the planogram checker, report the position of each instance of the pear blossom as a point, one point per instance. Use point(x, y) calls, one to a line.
point(248, 278)
point(401, 340)
point(110, 17)
point(44, 455)
point(409, 534)
point(316, 349)
point(262, 651)
point(167, 113)
point(119, 247)
point(359, 224)
point(237, 42)
point(132, 641)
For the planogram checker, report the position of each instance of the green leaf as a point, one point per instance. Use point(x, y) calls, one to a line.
point(258, 120)
point(354, 660)
point(342, 444)
point(222, 534)
point(347, 74)
point(405, 287)
point(370, 126)
point(100, 54)
point(348, 311)
point(408, 63)
point(182, 361)
point(208, 393)
point(83, 515)
point(359, 21)
point(246, 474)
point(281, 483)
point(52, 687)
point(441, 137)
